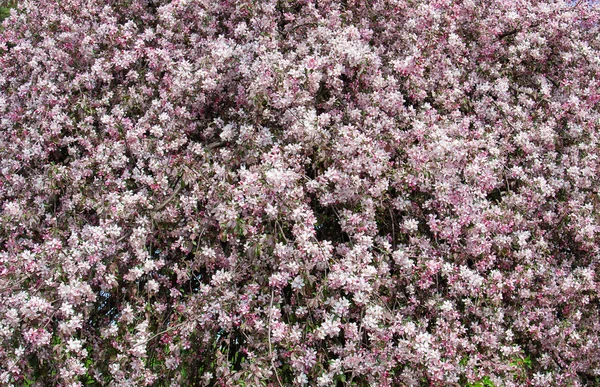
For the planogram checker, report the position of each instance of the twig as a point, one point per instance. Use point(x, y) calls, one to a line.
point(393, 228)
point(282, 232)
point(162, 333)
point(310, 24)
point(177, 190)
point(122, 238)
point(514, 31)
point(216, 144)
point(360, 334)
point(509, 33)
point(269, 338)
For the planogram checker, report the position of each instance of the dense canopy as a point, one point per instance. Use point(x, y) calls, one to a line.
point(300, 192)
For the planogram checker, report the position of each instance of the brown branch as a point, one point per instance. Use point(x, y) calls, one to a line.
point(269, 338)
point(177, 190)
point(216, 144)
point(507, 34)
point(514, 31)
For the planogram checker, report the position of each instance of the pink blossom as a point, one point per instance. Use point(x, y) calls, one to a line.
point(299, 193)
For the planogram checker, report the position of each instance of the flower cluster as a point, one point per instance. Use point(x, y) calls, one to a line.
point(300, 192)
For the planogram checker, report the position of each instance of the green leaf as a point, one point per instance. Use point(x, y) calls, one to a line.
point(340, 378)
point(487, 382)
point(483, 382)
point(4, 13)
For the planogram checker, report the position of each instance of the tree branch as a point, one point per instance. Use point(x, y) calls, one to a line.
point(269, 338)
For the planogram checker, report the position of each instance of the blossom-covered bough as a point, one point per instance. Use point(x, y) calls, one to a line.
point(300, 192)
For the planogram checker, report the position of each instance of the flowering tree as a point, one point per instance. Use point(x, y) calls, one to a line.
point(300, 192)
